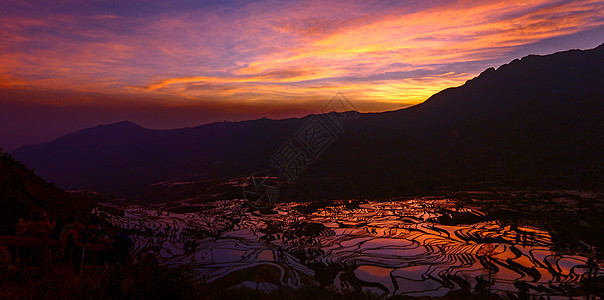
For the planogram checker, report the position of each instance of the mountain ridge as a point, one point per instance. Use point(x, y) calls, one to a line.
point(535, 93)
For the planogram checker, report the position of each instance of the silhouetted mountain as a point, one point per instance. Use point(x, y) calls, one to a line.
point(22, 192)
point(535, 121)
point(124, 157)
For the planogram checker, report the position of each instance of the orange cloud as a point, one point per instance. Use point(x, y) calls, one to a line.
point(389, 54)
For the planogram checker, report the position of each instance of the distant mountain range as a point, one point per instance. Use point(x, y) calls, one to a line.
point(536, 121)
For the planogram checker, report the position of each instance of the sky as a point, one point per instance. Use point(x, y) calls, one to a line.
point(67, 65)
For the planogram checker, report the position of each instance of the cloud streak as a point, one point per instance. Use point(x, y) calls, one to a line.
point(383, 54)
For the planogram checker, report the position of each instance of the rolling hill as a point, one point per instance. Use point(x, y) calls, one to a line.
point(537, 121)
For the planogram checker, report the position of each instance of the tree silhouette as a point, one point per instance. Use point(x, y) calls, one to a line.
point(486, 253)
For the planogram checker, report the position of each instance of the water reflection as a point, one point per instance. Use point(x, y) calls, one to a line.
point(418, 247)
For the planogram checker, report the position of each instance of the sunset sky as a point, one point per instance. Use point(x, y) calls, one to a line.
point(67, 65)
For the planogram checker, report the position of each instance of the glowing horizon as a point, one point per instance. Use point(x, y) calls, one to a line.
point(263, 57)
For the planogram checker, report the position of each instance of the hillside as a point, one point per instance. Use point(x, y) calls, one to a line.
point(538, 120)
point(124, 157)
point(22, 192)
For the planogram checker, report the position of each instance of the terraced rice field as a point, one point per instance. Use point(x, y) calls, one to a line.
point(415, 246)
